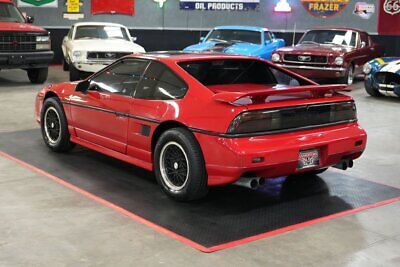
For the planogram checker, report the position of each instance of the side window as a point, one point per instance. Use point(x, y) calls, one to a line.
point(121, 78)
point(285, 79)
point(160, 83)
point(364, 38)
point(267, 36)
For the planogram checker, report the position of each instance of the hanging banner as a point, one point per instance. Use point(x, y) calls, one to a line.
point(38, 3)
point(324, 8)
point(220, 5)
point(389, 17)
point(125, 7)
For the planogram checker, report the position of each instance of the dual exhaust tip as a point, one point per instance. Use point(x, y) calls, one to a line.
point(255, 182)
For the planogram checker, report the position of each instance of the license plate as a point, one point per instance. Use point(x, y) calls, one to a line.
point(308, 159)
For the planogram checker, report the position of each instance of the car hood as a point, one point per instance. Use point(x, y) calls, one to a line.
point(316, 49)
point(19, 27)
point(106, 46)
point(228, 48)
point(393, 67)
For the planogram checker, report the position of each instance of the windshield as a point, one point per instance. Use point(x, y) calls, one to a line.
point(253, 37)
point(101, 32)
point(336, 37)
point(9, 12)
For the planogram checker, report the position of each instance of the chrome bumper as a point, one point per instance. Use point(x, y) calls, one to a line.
point(310, 67)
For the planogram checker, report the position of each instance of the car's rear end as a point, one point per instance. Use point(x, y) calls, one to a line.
point(278, 129)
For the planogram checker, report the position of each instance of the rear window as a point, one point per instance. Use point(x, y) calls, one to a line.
point(232, 71)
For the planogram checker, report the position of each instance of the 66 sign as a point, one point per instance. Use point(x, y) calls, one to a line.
point(392, 7)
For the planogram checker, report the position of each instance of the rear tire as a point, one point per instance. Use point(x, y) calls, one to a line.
point(179, 165)
point(38, 76)
point(74, 73)
point(54, 126)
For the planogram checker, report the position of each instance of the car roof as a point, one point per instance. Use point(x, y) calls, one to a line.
point(97, 24)
point(337, 28)
point(237, 27)
point(180, 56)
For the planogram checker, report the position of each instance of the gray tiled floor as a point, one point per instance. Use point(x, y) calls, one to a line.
point(44, 223)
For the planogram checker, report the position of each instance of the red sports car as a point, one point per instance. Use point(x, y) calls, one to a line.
point(200, 120)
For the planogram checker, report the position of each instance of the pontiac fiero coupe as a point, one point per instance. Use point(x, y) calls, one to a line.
point(200, 120)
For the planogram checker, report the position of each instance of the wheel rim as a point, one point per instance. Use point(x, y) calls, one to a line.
point(174, 166)
point(52, 125)
point(350, 76)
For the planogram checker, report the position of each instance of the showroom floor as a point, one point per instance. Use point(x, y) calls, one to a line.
point(44, 223)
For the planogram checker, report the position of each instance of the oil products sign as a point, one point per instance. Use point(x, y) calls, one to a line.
point(220, 5)
point(324, 8)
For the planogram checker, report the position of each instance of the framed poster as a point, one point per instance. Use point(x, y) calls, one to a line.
point(220, 5)
point(389, 17)
point(125, 7)
point(38, 3)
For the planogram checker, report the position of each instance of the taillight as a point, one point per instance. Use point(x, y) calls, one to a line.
point(293, 118)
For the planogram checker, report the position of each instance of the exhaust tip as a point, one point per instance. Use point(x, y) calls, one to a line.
point(254, 183)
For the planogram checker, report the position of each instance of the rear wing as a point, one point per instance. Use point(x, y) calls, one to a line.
point(232, 97)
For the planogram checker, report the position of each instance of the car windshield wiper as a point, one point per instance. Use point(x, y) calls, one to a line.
point(87, 37)
point(309, 42)
point(217, 40)
point(238, 41)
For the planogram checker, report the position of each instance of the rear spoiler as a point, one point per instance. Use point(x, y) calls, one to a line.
point(231, 97)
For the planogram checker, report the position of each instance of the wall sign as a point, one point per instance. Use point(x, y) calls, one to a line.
point(73, 6)
point(125, 7)
point(38, 3)
point(283, 7)
point(389, 17)
point(324, 8)
point(364, 10)
point(220, 5)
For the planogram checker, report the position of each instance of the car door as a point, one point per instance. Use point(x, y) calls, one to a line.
point(101, 114)
point(154, 97)
point(66, 43)
point(362, 54)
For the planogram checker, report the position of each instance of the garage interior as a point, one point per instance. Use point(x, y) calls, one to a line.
point(47, 218)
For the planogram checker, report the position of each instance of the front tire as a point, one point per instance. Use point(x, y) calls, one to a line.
point(349, 76)
point(74, 73)
point(179, 165)
point(371, 91)
point(38, 76)
point(54, 126)
point(65, 65)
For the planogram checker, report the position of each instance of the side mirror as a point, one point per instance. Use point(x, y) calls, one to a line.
point(268, 42)
point(202, 39)
point(133, 39)
point(363, 44)
point(30, 19)
point(83, 86)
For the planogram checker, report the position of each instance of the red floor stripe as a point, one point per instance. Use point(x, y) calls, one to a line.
point(184, 239)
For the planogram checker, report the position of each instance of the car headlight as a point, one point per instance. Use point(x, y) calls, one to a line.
point(339, 60)
point(275, 57)
point(367, 68)
point(77, 56)
point(43, 42)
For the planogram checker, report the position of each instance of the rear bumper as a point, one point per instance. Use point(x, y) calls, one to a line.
point(228, 159)
point(25, 60)
point(316, 72)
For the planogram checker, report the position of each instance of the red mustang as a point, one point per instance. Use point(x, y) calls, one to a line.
point(200, 120)
point(338, 53)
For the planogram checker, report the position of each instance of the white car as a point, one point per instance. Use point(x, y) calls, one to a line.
point(91, 46)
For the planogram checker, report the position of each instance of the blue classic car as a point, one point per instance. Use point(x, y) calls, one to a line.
point(241, 40)
point(383, 76)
